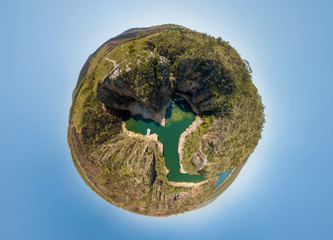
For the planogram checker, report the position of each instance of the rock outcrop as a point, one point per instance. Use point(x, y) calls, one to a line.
point(120, 89)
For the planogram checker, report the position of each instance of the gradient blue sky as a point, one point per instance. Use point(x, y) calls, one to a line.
point(284, 191)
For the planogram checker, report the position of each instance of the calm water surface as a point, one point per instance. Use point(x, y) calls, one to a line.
point(222, 176)
point(178, 117)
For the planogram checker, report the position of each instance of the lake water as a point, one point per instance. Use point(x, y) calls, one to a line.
point(222, 176)
point(178, 117)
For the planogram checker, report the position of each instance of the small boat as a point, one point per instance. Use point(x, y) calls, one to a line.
point(148, 131)
point(182, 105)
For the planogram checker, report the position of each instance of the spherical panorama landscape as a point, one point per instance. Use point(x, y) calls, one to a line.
point(163, 119)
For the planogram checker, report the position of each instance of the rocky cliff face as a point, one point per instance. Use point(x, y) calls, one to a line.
point(139, 72)
point(196, 80)
point(143, 89)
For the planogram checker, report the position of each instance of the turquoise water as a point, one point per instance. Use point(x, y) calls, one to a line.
point(222, 176)
point(178, 118)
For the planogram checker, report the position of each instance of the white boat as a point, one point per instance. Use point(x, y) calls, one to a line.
point(148, 131)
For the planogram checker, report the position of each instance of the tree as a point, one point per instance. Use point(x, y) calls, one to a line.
point(248, 66)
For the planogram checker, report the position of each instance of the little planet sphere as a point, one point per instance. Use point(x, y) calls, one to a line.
point(163, 119)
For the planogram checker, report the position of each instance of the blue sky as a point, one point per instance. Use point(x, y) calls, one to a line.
point(283, 192)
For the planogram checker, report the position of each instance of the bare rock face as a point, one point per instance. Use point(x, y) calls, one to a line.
point(139, 72)
point(193, 78)
point(123, 89)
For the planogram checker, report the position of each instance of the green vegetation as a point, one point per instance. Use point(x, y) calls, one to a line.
point(233, 99)
point(141, 70)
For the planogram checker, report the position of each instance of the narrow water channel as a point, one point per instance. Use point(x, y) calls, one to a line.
point(178, 117)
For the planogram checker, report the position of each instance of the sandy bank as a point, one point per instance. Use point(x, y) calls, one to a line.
point(187, 184)
point(194, 126)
